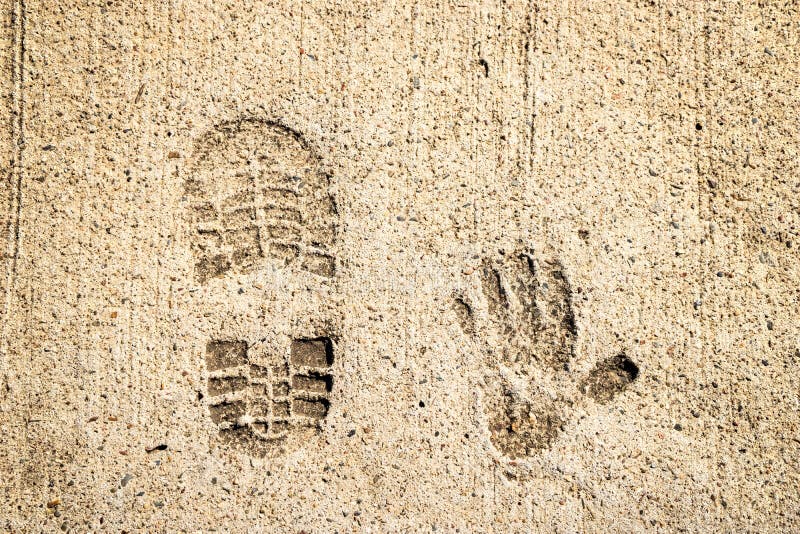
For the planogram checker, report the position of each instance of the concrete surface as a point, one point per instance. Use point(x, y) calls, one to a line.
point(400, 266)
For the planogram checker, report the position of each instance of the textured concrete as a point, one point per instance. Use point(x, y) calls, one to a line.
point(394, 266)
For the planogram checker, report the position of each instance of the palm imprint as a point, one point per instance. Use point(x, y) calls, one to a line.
point(520, 312)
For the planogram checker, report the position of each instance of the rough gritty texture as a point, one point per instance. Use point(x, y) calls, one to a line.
point(552, 247)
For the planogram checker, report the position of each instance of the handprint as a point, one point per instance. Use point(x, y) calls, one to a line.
point(520, 313)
